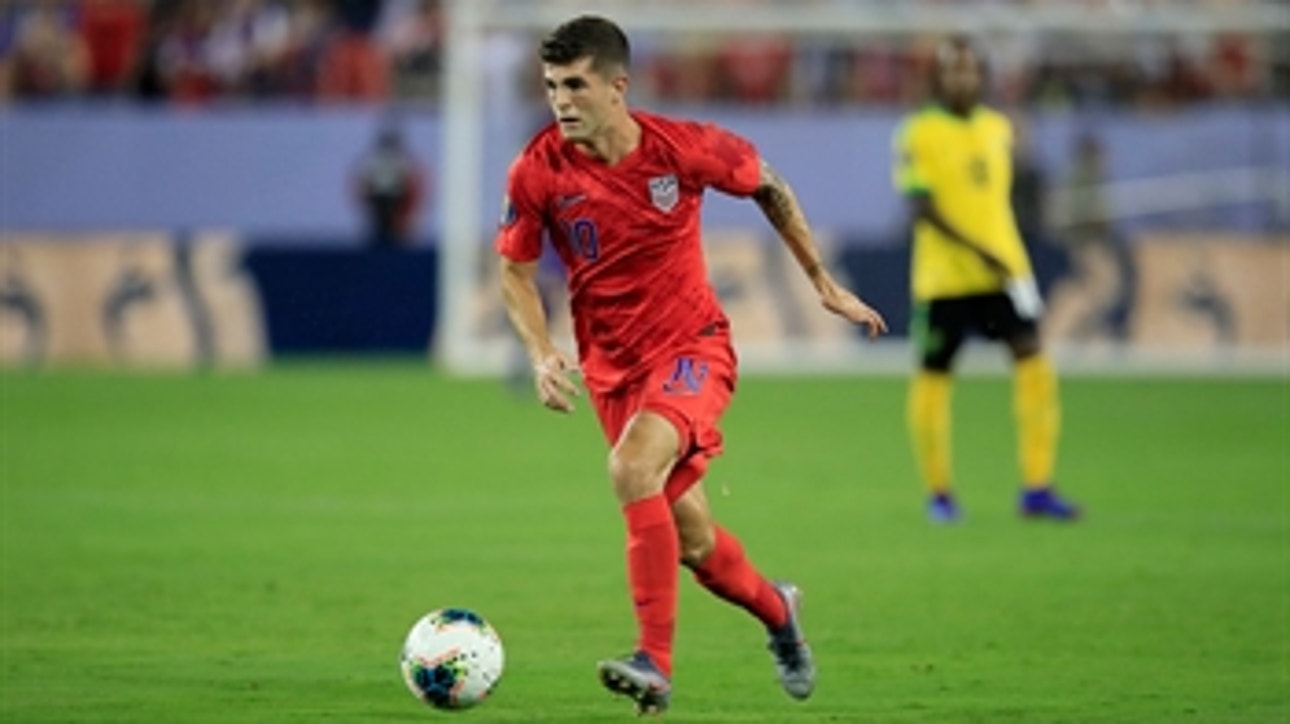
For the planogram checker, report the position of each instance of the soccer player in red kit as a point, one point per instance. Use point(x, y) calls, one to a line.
point(618, 193)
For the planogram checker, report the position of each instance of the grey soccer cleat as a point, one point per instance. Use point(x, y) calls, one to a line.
point(793, 662)
point(637, 678)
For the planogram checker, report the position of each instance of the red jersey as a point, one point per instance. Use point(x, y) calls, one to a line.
point(628, 235)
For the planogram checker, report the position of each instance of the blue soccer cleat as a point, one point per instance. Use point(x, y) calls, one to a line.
point(941, 508)
point(637, 678)
point(793, 662)
point(1046, 503)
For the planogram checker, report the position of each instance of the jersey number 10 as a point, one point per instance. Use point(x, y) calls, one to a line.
point(583, 237)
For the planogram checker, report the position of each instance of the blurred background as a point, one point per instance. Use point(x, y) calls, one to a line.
point(225, 183)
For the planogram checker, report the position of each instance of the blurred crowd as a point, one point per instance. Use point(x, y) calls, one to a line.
point(1025, 69)
point(195, 52)
point(199, 52)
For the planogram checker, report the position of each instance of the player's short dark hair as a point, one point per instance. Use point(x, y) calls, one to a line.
point(587, 36)
point(953, 45)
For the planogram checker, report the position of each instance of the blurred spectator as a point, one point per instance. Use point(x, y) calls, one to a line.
point(307, 37)
point(47, 56)
point(148, 84)
point(877, 72)
point(390, 185)
point(821, 71)
point(248, 45)
point(1236, 65)
point(414, 37)
point(354, 67)
point(113, 34)
point(185, 60)
point(920, 58)
point(754, 69)
point(8, 33)
point(683, 70)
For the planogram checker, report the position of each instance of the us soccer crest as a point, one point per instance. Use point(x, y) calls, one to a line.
point(664, 192)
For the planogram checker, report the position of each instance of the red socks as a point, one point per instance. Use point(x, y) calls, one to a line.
point(728, 574)
point(652, 555)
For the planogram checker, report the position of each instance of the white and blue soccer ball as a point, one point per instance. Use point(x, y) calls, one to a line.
point(452, 658)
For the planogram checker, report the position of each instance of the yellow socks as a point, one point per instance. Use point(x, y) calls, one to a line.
point(928, 415)
point(1035, 406)
point(1038, 416)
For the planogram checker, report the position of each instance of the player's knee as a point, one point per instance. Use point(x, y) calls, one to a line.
point(633, 477)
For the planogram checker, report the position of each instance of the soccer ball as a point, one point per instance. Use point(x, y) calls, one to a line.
point(452, 658)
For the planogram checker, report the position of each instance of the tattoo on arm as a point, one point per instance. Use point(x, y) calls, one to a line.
point(776, 200)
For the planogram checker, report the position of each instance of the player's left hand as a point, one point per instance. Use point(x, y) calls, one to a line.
point(843, 303)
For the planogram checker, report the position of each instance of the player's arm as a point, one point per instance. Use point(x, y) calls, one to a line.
point(923, 208)
point(551, 367)
point(779, 204)
point(524, 307)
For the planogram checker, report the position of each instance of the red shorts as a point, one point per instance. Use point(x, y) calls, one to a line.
point(691, 387)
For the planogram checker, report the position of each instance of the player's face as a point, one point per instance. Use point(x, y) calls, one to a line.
point(960, 78)
point(582, 100)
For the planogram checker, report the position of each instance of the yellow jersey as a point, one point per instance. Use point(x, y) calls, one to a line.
point(965, 166)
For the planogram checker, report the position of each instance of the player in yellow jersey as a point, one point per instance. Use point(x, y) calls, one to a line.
point(971, 275)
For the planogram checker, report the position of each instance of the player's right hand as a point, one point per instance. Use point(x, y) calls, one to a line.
point(551, 377)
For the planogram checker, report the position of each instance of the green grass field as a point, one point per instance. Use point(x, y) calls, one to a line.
point(252, 548)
